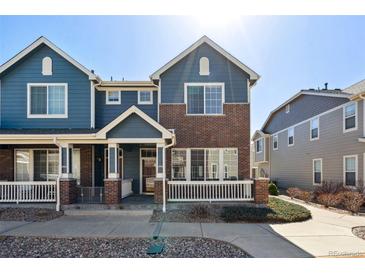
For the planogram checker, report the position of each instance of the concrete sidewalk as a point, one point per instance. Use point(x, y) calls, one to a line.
point(257, 240)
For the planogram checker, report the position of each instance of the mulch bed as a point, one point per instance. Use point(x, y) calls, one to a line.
point(277, 211)
point(42, 247)
point(28, 214)
point(359, 231)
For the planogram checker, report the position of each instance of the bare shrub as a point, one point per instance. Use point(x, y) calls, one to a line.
point(330, 199)
point(293, 192)
point(305, 196)
point(352, 201)
point(329, 187)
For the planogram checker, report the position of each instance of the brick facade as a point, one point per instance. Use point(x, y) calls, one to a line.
point(112, 190)
point(261, 190)
point(85, 164)
point(6, 164)
point(229, 130)
point(158, 192)
point(68, 191)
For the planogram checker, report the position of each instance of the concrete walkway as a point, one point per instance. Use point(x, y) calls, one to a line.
point(328, 233)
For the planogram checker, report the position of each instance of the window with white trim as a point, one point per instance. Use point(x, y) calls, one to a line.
point(145, 97)
point(230, 162)
point(212, 164)
point(47, 66)
point(206, 98)
point(350, 170)
point(314, 126)
point(291, 136)
point(204, 66)
point(178, 164)
point(350, 117)
point(317, 171)
point(259, 145)
point(47, 100)
point(275, 142)
point(113, 97)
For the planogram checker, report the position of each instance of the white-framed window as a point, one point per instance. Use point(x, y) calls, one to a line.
point(350, 170)
point(204, 164)
point(145, 97)
point(112, 97)
point(47, 66)
point(317, 171)
point(314, 129)
point(204, 98)
point(204, 66)
point(287, 108)
point(275, 142)
point(47, 100)
point(259, 145)
point(291, 136)
point(350, 117)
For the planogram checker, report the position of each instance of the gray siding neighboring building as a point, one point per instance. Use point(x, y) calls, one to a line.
point(292, 166)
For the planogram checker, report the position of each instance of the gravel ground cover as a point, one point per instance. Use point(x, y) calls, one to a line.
point(28, 214)
point(42, 247)
point(277, 211)
point(359, 231)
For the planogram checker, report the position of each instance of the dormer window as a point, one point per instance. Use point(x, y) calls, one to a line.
point(287, 108)
point(204, 66)
point(47, 66)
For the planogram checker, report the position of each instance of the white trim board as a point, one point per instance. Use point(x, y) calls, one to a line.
point(253, 75)
point(42, 40)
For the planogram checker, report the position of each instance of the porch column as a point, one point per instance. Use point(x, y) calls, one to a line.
point(112, 185)
point(66, 160)
point(113, 161)
point(161, 172)
point(67, 185)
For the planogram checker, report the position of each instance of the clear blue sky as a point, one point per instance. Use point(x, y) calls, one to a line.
point(290, 53)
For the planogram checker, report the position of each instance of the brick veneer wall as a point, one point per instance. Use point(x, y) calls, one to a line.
point(261, 190)
point(158, 191)
point(6, 164)
point(112, 190)
point(68, 191)
point(85, 164)
point(229, 130)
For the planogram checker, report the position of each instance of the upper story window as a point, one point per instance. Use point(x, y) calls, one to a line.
point(47, 100)
point(290, 136)
point(204, 66)
point(314, 132)
point(204, 98)
point(113, 97)
point(259, 145)
point(145, 97)
point(47, 66)
point(275, 142)
point(287, 108)
point(350, 170)
point(350, 117)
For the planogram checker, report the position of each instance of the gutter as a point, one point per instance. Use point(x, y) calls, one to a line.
point(164, 174)
point(58, 198)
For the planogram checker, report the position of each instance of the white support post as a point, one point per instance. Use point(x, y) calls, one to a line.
point(66, 160)
point(161, 171)
point(113, 161)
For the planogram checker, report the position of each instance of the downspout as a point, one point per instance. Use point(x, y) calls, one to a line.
point(58, 200)
point(164, 174)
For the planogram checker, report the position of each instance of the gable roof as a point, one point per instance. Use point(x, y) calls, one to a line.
point(253, 75)
point(40, 41)
point(356, 89)
point(133, 109)
point(322, 92)
point(259, 134)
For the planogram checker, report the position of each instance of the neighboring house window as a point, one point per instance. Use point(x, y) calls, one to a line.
point(275, 142)
point(287, 108)
point(349, 117)
point(350, 170)
point(259, 144)
point(113, 97)
point(212, 164)
point(204, 98)
point(314, 124)
point(230, 163)
point(317, 171)
point(47, 66)
point(204, 66)
point(178, 164)
point(47, 100)
point(145, 98)
point(290, 136)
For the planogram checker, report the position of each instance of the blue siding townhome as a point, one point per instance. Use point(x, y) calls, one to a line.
point(66, 135)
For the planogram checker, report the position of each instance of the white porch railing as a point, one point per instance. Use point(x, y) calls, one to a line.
point(191, 191)
point(27, 192)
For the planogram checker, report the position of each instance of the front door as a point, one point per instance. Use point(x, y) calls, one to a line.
point(148, 170)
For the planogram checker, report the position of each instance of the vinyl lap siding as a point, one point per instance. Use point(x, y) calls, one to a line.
point(292, 166)
point(107, 113)
point(302, 108)
point(187, 70)
point(14, 92)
